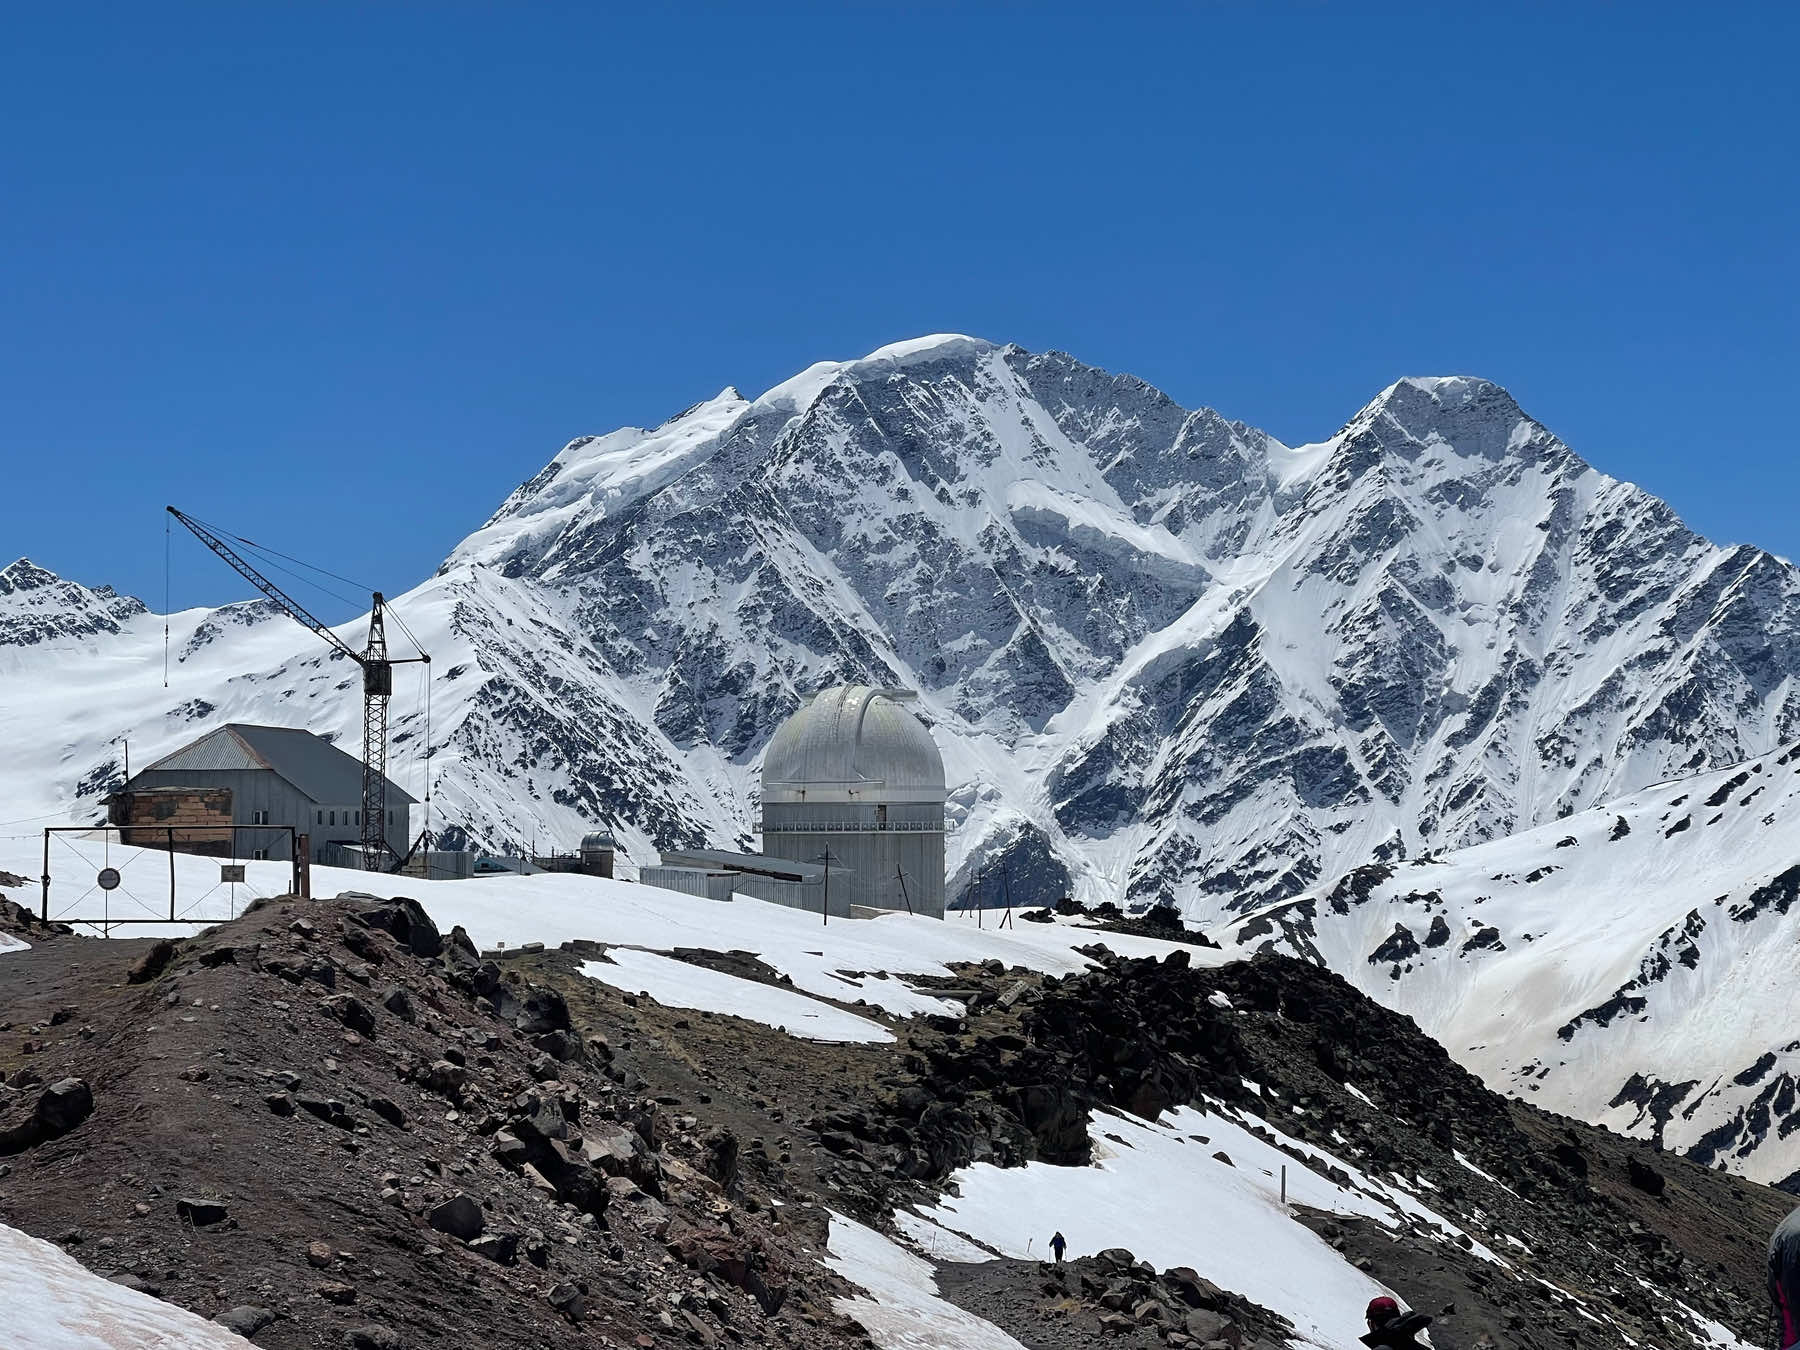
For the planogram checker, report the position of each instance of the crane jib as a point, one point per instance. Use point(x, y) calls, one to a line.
point(378, 687)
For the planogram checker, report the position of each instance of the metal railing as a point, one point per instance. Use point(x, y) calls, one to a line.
point(112, 875)
point(851, 827)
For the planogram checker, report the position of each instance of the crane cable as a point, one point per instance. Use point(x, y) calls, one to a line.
point(264, 552)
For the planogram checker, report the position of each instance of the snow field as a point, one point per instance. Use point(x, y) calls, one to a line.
point(51, 1302)
point(1157, 1189)
point(904, 1310)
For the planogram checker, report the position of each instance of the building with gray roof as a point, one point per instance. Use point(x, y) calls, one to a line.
point(275, 776)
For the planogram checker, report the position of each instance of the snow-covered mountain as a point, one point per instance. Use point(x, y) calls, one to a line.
point(1167, 657)
point(1636, 965)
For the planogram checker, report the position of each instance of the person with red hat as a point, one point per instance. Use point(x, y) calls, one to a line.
point(1391, 1329)
point(1784, 1279)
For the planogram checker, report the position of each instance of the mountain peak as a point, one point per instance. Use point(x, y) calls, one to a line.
point(1425, 397)
point(1475, 416)
point(24, 575)
point(797, 394)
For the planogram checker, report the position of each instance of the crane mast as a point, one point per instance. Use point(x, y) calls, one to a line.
point(378, 685)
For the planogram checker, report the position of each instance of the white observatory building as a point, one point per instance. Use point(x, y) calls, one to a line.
point(854, 775)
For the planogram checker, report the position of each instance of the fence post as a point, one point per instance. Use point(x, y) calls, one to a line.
point(302, 865)
point(44, 904)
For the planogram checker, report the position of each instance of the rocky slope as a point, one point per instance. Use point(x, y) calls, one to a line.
point(327, 1124)
point(1167, 656)
point(1631, 964)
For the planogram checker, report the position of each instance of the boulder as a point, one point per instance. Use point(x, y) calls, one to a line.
point(568, 1300)
point(352, 1012)
point(542, 1010)
point(406, 919)
point(719, 1159)
point(245, 1319)
point(360, 941)
point(374, 1337)
point(62, 1106)
point(152, 963)
point(1204, 1325)
point(459, 1216)
point(500, 1248)
point(201, 1213)
point(397, 1001)
point(446, 1079)
point(1644, 1177)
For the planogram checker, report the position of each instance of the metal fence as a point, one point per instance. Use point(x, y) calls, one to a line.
point(164, 876)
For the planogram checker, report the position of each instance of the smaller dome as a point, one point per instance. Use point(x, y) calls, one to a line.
point(853, 744)
point(598, 839)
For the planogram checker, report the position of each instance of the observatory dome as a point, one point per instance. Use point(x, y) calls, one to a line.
point(853, 744)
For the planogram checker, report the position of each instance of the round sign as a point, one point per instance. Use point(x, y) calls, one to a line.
point(108, 879)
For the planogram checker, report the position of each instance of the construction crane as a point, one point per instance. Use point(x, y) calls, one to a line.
point(378, 686)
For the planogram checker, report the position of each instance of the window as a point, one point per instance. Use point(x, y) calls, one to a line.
point(359, 817)
point(260, 854)
point(334, 817)
point(259, 817)
point(321, 819)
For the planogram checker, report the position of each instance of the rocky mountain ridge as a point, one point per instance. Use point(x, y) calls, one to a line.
point(1167, 657)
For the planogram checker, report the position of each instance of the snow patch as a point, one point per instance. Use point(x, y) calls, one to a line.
point(52, 1302)
point(679, 984)
point(904, 1310)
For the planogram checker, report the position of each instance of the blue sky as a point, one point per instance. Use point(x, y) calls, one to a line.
point(339, 277)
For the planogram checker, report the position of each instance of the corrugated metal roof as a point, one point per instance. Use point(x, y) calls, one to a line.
point(854, 744)
point(317, 768)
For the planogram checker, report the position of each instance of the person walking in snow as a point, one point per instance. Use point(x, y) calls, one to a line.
point(1784, 1279)
point(1057, 1243)
point(1391, 1329)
